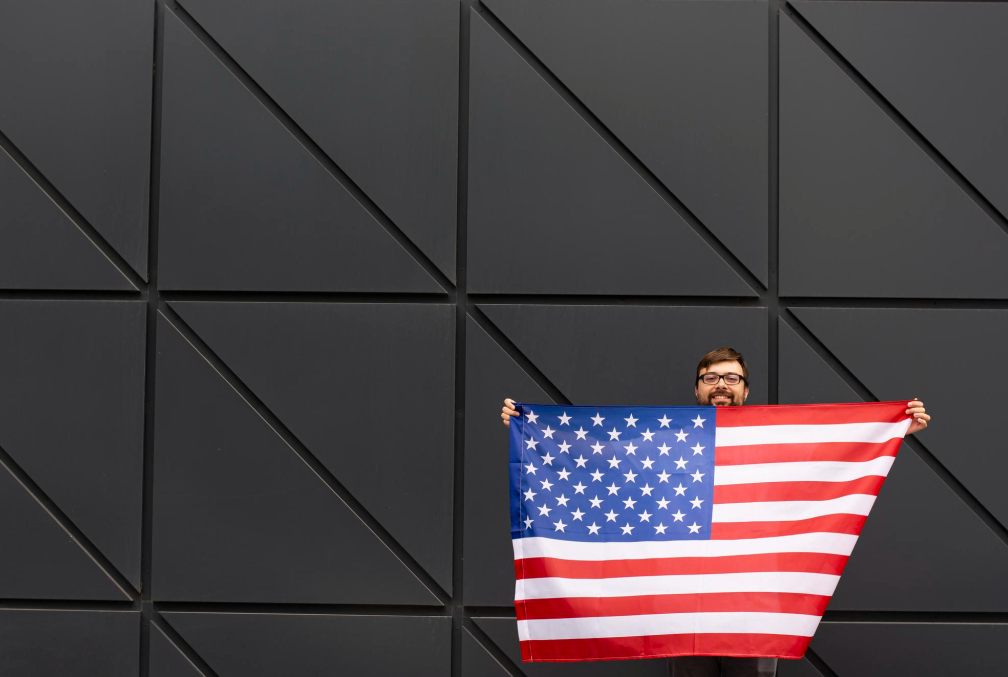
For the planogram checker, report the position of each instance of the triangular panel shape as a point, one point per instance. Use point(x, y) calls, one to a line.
point(166, 660)
point(261, 645)
point(82, 114)
point(863, 211)
point(937, 63)
point(632, 354)
point(912, 508)
point(41, 560)
point(245, 206)
point(491, 375)
point(696, 74)
point(69, 643)
point(476, 661)
point(909, 353)
point(239, 517)
point(554, 209)
point(40, 247)
point(376, 87)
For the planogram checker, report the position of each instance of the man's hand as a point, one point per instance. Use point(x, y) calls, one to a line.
point(508, 410)
point(920, 419)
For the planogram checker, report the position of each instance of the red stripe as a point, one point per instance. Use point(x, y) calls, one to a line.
point(850, 452)
point(796, 491)
point(586, 607)
point(811, 414)
point(548, 567)
point(838, 524)
point(656, 646)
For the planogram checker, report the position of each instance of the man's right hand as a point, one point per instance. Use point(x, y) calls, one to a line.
point(507, 411)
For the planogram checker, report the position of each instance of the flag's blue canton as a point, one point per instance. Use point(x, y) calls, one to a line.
point(612, 473)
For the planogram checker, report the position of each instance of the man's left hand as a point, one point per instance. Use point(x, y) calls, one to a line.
point(920, 419)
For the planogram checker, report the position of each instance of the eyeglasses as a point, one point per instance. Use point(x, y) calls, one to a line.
point(730, 379)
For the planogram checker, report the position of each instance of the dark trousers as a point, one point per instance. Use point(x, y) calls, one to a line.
point(721, 666)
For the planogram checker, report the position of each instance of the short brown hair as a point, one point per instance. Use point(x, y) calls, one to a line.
point(723, 355)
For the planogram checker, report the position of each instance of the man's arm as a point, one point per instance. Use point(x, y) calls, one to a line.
point(920, 419)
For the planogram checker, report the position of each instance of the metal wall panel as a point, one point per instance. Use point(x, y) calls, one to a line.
point(268, 270)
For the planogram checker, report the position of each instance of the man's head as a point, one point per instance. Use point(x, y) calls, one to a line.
point(718, 363)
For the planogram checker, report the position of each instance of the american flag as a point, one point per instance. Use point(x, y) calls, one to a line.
point(641, 532)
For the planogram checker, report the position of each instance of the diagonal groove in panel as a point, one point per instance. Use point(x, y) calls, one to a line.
point(313, 148)
point(922, 451)
point(298, 447)
point(75, 217)
point(819, 664)
point(919, 139)
point(491, 648)
point(173, 636)
point(61, 518)
point(621, 149)
point(508, 346)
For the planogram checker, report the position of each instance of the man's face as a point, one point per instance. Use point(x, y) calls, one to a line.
point(722, 394)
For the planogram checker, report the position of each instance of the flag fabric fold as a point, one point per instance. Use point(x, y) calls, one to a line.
point(643, 531)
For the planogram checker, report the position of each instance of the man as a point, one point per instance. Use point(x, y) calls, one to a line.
point(723, 380)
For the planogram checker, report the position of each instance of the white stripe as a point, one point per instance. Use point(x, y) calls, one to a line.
point(802, 625)
point(733, 436)
point(588, 551)
point(774, 511)
point(629, 586)
point(801, 471)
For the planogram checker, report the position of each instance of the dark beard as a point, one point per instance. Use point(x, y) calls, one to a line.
point(736, 400)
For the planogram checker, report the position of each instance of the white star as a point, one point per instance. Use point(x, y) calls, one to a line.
point(664, 449)
point(647, 463)
point(646, 490)
point(529, 495)
point(660, 529)
point(680, 490)
point(597, 418)
point(631, 449)
point(629, 503)
point(544, 510)
point(596, 476)
point(664, 420)
point(581, 432)
point(613, 489)
point(663, 503)
point(579, 488)
point(626, 529)
point(593, 529)
point(614, 434)
point(663, 476)
point(532, 416)
point(546, 484)
point(647, 435)
point(680, 464)
point(531, 443)
point(645, 516)
point(547, 459)
point(530, 469)
point(696, 502)
point(597, 447)
point(596, 502)
point(678, 515)
point(694, 528)
point(681, 436)
point(563, 474)
point(614, 462)
point(697, 449)
point(559, 525)
point(564, 419)
point(698, 422)
point(631, 421)
point(697, 475)
point(548, 432)
point(580, 460)
point(562, 500)
point(610, 516)
point(528, 522)
point(577, 514)
point(564, 446)
point(630, 476)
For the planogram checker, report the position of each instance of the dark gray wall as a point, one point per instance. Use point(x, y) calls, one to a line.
point(267, 270)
